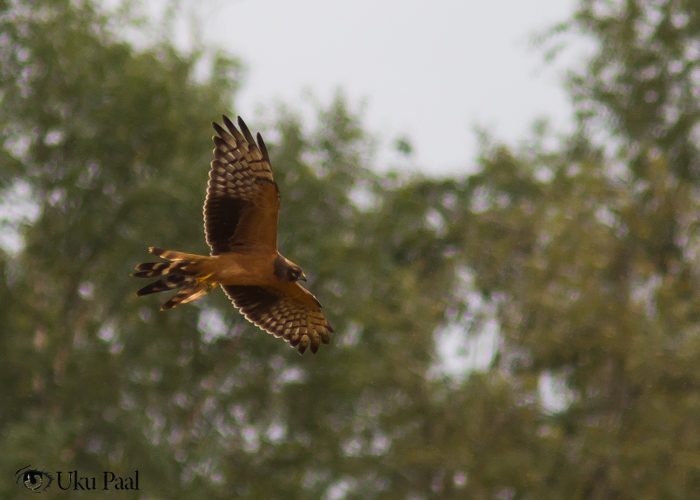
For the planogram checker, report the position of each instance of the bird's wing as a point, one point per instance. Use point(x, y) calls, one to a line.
point(243, 202)
point(287, 310)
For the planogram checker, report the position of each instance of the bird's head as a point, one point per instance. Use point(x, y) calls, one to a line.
point(295, 273)
point(285, 270)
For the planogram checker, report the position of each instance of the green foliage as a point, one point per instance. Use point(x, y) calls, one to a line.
point(584, 255)
point(403, 145)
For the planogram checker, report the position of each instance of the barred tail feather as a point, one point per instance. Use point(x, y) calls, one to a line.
point(175, 255)
point(154, 269)
point(169, 283)
point(183, 271)
point(186, 296)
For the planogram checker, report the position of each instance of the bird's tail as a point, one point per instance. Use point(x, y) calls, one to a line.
point(183, 270)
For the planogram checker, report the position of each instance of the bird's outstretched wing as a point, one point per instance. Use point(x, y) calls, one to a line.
point(243, 202)
point(288, 311)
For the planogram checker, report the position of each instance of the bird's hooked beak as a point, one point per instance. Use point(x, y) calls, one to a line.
point(303, 276)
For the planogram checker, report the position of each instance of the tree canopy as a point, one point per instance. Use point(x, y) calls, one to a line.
point(584, 255)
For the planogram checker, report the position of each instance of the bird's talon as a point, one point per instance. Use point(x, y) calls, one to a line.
point(203, 278)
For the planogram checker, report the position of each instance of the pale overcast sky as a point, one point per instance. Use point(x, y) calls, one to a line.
point(430, 70)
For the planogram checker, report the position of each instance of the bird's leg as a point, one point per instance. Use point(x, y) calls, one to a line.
point(202, 279)
point(210, 286)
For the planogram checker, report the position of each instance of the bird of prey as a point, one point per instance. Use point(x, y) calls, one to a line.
point(240, 223)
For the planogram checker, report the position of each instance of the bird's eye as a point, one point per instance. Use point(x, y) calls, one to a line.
point(33, 479)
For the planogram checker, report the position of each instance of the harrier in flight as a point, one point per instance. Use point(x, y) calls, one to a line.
point(240, 224)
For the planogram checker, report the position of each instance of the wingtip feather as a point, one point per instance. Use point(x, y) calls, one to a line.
point(220, 130)
point(229, 124)
point(246, 132)
point(263, 148)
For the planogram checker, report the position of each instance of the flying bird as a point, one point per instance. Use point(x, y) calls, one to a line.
point(240, 224)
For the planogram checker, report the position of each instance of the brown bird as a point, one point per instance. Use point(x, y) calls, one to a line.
point(240, 223)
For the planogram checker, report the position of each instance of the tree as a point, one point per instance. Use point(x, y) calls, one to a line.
point(584, 255)
point(594, 266)
point(114, 144)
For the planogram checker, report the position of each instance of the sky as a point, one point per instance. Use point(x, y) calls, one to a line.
point(430, 71)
